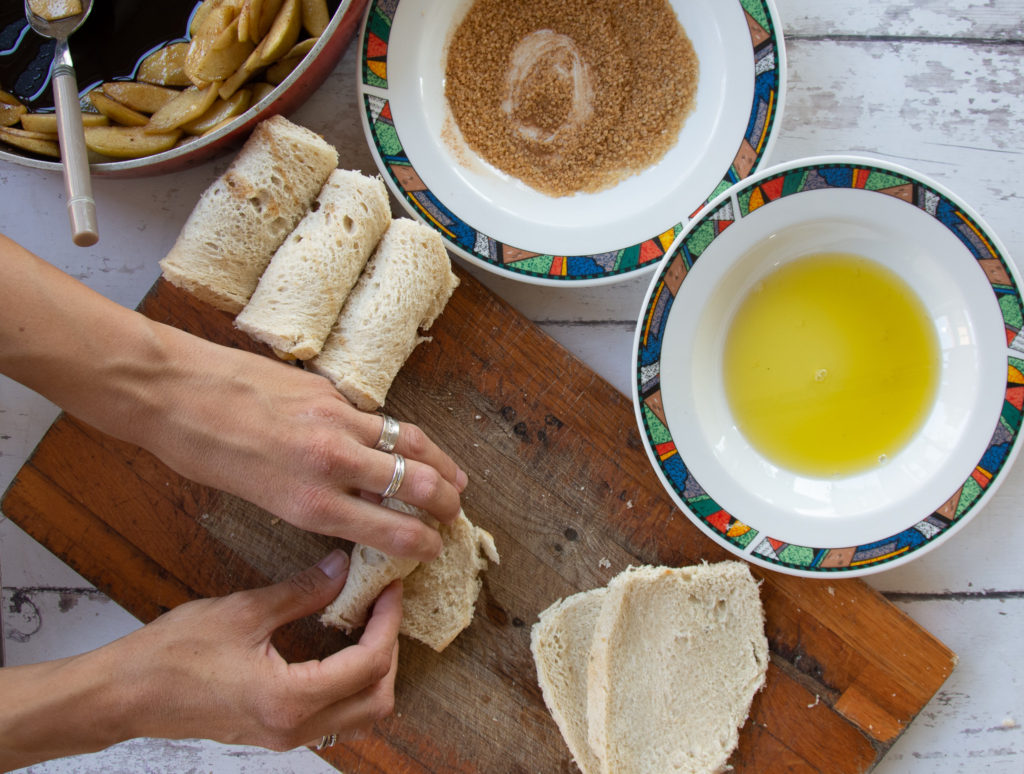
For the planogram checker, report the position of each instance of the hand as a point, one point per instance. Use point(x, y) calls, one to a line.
point(207, 669)
point(285, 439)
point(273, 434)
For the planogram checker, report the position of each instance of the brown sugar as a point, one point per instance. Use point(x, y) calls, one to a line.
point(570, 95)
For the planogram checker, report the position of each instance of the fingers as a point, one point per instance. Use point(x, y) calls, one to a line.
point(353, 717)
point(414, 444)
point(303, 594)
point(369, 662)
point(420, 485)
point(394, 533)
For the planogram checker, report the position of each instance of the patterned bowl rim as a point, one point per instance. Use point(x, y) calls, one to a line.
point(761, 189)
point(612, 265)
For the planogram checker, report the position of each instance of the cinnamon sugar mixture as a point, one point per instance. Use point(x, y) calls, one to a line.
point(570, 95)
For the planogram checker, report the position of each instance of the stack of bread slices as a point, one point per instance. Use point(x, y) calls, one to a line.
point(656, 672)
point(311, 262)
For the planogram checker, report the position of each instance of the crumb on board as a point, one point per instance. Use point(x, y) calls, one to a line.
point(604, 563)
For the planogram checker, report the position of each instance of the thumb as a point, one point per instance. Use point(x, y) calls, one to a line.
point(307, 592)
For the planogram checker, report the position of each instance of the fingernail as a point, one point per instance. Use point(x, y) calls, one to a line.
point(334, 564)
point(461, 479)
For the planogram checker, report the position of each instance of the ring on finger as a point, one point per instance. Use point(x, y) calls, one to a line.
point(388, 434)
point(396, 477)
point(328, 740)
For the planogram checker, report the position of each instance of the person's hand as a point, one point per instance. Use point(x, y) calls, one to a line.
point(271, 433)
point(285, 439)
point(207, 669)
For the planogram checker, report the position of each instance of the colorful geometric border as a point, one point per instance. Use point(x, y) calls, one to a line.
point(476, 244)
point(701, 506)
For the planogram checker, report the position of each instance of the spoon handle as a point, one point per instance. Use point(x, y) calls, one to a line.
point(74, 157)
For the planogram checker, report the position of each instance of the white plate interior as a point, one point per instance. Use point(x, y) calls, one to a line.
point(631, 212)
point(958, 298)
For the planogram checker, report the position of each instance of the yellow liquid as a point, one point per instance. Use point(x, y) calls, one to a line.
point(831, 365)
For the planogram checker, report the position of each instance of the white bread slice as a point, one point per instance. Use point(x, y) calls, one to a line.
point(404, 287)
point(242, 218)
point(301, 292)
point(560, 643)
point(676, 658)
point(439, 597)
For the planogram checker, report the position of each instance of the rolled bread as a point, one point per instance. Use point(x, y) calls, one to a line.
point(658, 672)
point(243, 217)
point(439, 597)
point(369, 573)
point(301, 292)
point(404, 287)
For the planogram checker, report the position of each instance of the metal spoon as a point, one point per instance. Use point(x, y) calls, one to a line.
point(81, 206)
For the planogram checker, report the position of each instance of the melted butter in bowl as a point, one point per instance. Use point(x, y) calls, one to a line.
point(831, 365)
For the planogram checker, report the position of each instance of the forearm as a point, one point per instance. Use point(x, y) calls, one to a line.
point(60, 708)
point(87, 354)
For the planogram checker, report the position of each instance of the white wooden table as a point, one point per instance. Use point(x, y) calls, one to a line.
point(935, 85)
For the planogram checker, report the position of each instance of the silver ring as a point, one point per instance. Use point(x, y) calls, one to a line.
point(396, 477)
point(327, 741)
point(388, 435)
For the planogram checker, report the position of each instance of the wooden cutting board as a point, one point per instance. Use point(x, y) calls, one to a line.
point(559, 476)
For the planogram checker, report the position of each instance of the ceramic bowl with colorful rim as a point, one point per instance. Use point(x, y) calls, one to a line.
point(499, 223)
point(913, 500)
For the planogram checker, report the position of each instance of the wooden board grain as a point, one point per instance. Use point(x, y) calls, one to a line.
point(559, 476)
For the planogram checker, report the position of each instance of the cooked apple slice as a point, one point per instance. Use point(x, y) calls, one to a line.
point(143, 97)
point(189, 105)
point(280, 70)
point(28, 141)
point(220, 111)
point(11, 109)
point(128, 142)
point(46, 123)
point(116, 111)
point(315, 16)
point(165, 66)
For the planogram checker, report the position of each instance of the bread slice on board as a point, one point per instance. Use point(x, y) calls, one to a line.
point(242, 218)
point(300, 295)
point(439, 597)
point(404, 287)
point(560, 643)
point(676, 658)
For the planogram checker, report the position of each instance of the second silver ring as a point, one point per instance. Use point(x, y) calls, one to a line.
point(396, 477)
